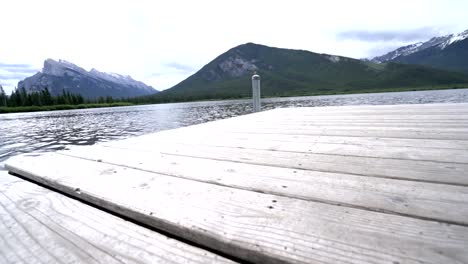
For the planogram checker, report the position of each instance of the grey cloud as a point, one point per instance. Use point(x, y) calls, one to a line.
point(180, 67)
point(155, 74)
point(13, 65)
point(26, 68)
point(382, 49)
point(10, 71)
point(389, 35)
point(13, 76)
point(22, 71)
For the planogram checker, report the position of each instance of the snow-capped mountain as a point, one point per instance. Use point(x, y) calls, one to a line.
point(436, 42)
point(447, 52)
point(454, 38)
point(123, 79)
point(62, 75)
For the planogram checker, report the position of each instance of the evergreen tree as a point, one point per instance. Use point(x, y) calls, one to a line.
point(3, 97)
point(15, 98)
point(80, 99)
point(68, 98)
point(109, 100)
point(64, 98)
point(36, 99)
point(46, 97)
point(60, 99)
point(23, 96)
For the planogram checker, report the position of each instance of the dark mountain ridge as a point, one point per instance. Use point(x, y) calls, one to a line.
point(287, 72)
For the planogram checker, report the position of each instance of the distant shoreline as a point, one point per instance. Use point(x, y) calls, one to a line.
point(202, 98)
point(24, 109)
point(384, 90)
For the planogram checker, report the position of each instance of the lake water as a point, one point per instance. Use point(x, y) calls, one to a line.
point(49, 131)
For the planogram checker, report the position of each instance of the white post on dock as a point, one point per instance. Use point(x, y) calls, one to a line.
point(256, 92)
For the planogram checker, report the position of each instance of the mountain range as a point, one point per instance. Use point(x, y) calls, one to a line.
point(448, 52)
point(439, 62)
point(287, 72)
point(59, 76)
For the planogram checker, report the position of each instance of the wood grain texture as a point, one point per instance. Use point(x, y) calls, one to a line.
point(278, 121)
point(41, 226)
point(251, 225)
point(205, 136)
point(443, 134)
point(420, 152)
point(404, 169)
point(419, 199)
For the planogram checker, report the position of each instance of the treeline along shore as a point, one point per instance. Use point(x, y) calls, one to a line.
point(22, 101)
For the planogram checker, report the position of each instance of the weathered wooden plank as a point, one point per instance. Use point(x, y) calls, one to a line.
point(41, 226)
point(408, 153)
point(391, 152)
point(322, 114)
point(364, 124)
point(305, 127)
point(415, 109)
point(253, 226)
point(378, 112)
point(418, 199)
point(280, 119)
point(387, 118)
point(416, 134)
point(364, 121)
point(393, 107)
point(202, 136)
point(417, 170)
point(243, 126)
point(401, 108)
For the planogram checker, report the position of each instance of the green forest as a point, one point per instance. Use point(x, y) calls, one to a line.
point(22, 101)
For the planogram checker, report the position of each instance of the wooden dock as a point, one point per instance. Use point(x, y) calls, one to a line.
point(354, 184)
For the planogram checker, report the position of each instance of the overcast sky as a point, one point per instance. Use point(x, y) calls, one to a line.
point(163, 42)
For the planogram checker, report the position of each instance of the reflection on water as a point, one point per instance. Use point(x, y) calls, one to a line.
point(46, 131)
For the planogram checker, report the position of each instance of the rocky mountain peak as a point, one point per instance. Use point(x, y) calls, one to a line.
point(449, 52)
point(440, 42)
point(454, 38)
point(236, 66)
point(63, 75)
point(59, 68)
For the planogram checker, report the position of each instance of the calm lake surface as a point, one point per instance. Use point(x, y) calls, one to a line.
point(49, 131)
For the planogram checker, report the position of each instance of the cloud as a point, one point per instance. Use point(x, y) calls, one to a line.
point(14, 65)
point(10, 74)
point(22, 68)
point(381, 49)
point(180, 67)
point(11, 70)
point(169, 74)
point(8, 85)
point(13, 76)
point(145, 41)
point(389, 35)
